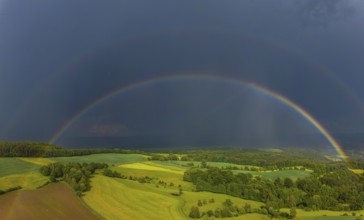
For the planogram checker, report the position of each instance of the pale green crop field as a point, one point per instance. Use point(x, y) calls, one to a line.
point(31, 180)
point(110, 158)
point(10, 166)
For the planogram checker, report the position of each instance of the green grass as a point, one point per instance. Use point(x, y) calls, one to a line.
point(110, 159)
point(10, 166)
point(330, 218)
point(166, 175)
point(326, 214)
point(120, 199)
point(41, 161)
point(125, 199)
point(273, 150)
point(25, 180)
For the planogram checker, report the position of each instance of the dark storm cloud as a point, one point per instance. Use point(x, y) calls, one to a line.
point(323, 12)
point(58, 57)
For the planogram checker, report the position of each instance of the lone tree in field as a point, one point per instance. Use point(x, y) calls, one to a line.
point(195, 212)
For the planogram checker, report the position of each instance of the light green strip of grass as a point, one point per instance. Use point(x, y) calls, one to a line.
point(111, 158)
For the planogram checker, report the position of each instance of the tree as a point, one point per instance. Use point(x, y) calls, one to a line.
point(292, 212)
point(195, 212)
point(228, 202)
point(247, 208)
point(225, 212)
point(210, 213)
point(203, 164)
point(288, 182)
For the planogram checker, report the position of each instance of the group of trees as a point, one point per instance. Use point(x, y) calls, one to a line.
point(267, 160)
point(76, 174)
point(161, 157)
point(337, 190)
point(114, 174)
point(25, 149)
point(228, 209)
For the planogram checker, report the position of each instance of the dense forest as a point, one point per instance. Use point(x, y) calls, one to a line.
point(339, 189)
point(37, 149)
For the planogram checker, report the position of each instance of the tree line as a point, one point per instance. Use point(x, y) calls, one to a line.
point(37, 149)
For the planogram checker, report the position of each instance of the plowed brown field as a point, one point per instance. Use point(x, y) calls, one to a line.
point(54, 201)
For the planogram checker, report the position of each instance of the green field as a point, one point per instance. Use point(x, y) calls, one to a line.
point(126, 199)
point(197, 163)
point(10, 166)
point(25, 180)
point(330, 218)
point(326, 214)
point(111, 159)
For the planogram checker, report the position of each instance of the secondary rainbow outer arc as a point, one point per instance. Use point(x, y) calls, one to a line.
point(262, 89)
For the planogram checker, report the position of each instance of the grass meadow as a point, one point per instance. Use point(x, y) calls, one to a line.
point(11, 166)
point(110, 158)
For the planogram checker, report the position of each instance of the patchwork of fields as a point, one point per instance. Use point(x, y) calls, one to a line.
point(114, 198)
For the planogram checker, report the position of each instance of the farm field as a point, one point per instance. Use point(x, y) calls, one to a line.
point(10, 166)
point(329, 218)
point(126, 199)
point(54, 201)
point(327, 215)
point(110, 158)
point(31, 180)
point(37, 160)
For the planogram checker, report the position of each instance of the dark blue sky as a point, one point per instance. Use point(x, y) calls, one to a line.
point(57, 57)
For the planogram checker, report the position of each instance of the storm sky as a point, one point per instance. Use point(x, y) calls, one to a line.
point(59, 57)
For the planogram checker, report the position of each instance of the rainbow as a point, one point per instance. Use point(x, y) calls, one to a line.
point(209, 77)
